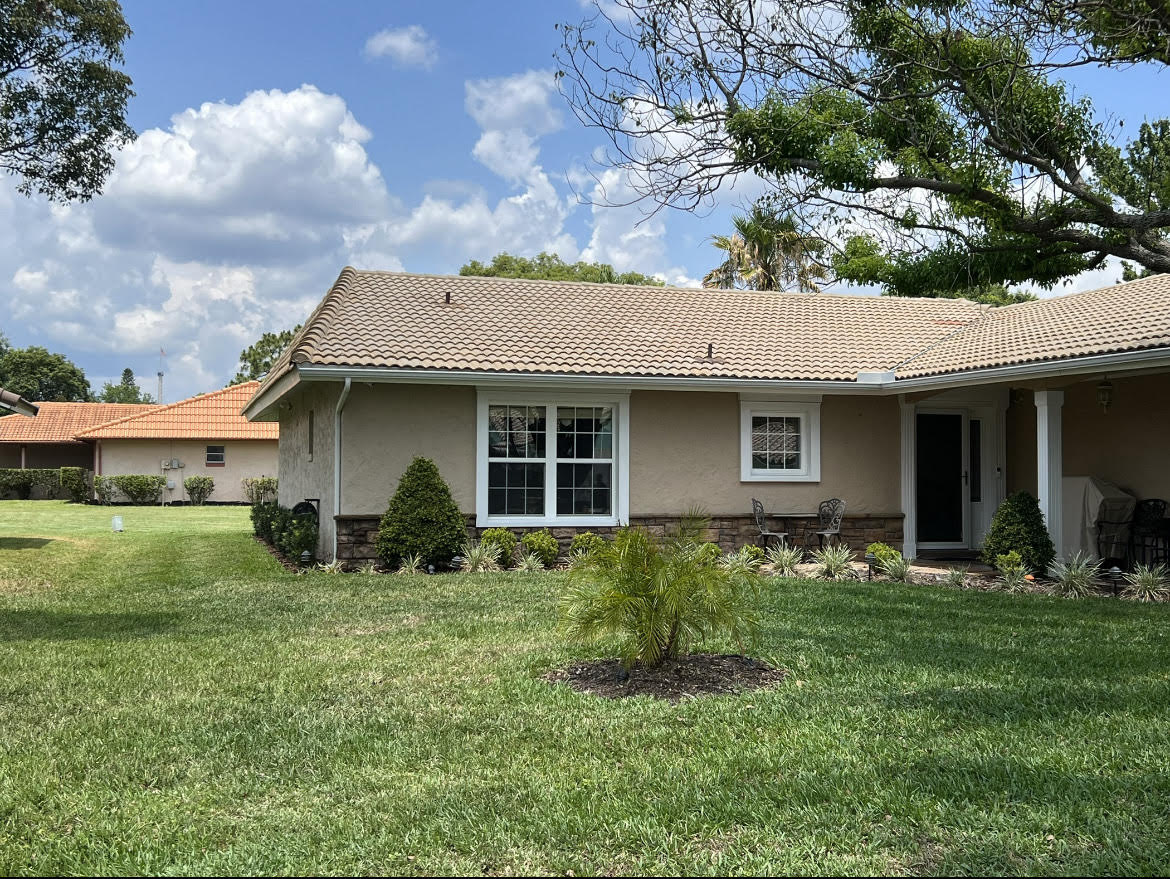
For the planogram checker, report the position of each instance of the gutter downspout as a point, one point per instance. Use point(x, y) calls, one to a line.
point(337, 459)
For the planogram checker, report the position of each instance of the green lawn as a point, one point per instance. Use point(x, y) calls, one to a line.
point(172, 701)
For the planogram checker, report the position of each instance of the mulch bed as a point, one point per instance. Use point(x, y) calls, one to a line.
point(700, 674)
point(278, 555)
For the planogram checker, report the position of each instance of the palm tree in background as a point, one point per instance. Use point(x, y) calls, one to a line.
point(767, 252)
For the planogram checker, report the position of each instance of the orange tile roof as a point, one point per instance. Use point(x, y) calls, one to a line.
point(61, 422)
point(208, 416)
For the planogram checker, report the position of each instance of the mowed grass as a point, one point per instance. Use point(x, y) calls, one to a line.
point(172, 701)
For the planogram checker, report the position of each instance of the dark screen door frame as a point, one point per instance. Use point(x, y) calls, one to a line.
point(960, 484)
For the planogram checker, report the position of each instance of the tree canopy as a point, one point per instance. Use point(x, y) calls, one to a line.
point(550, 267)
point(62, 95)
point(767, 252)
point(257, 358)
point(936, 143)
point(41, 376)
point(126, 391)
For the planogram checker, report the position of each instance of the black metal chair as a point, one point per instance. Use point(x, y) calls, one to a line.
point(1147, 533)
point(765, 536)
point(828, 525)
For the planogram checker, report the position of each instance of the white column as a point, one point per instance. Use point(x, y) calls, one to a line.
point(909, 481)
point(1050, 464)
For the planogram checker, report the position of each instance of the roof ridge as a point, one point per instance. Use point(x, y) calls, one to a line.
point(984, 315)
point(162, 408)
point(318, 322)
point(1041, 301)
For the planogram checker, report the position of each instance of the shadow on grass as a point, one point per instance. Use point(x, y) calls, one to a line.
point(47, 625)
point(24, 542)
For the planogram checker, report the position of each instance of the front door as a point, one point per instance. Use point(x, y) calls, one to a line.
point(941, 477)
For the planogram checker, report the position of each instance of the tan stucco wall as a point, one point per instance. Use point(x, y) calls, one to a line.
point(301, 478)
point(685, 446)
point(242, 458)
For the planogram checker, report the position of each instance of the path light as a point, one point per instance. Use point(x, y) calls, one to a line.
point(1105, 394)
point(1115, 579)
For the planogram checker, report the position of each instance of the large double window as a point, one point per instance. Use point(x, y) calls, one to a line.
point(550, 461)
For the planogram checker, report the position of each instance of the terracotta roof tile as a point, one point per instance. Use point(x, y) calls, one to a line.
point(61, 422)
point(208, 416)
point(388, 319)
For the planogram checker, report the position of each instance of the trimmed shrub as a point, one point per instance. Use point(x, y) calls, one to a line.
point(140, 488)
point(262, 515)
point(1018, 525)
point(542, 545)
point(297, 536)
point(22, 482)
point(281, 521)
point(422, 518)
point(585, 543)
point(881, 552)
point(708, 553)
point(259, 489)
point(752, 553)
point(198, 488)
point(104, 489)
point(504, 543)
point(76, 483)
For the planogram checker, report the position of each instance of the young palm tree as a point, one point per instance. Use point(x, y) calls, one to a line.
point(767, 252)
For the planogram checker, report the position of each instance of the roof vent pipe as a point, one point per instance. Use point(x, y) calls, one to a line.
point(710, 351)
point(448, 297)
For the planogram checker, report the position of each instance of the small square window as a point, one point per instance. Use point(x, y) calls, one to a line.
point(780, 442)
point(215, 456)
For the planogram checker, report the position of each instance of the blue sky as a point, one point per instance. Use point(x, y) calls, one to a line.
point(280, 141)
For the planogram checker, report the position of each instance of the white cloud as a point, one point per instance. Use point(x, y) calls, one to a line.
point(522, 102)
point(408, 46)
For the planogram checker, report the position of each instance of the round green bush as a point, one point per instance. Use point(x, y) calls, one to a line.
point(198, 488)
point(502, 540)
point(75, 481)
point(542, 545)
point(585, 543)
point(753, 552)
point(708, 554)
point(882, 552)
point(422, 519)
point(1018, 525)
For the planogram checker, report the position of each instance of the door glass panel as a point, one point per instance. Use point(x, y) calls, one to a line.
point(939, 463)
point(975, 467)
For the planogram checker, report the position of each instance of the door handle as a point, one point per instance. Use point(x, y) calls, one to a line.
point(964, 477)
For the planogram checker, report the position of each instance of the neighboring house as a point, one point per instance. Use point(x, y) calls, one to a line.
point(201, 436)
point(10, 402)
point(50, 440)
point(581, 406)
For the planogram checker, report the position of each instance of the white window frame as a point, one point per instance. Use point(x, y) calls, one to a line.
point(809, 413)
point(620, 498)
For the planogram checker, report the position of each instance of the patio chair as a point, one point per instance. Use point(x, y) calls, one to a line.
point(827, 528)
point(763, 538)
point(1147, 534)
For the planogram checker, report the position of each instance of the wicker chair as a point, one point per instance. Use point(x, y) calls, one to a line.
point(828, 525)
point(765, 536)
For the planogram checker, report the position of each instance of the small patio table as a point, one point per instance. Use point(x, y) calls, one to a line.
point(787, 528)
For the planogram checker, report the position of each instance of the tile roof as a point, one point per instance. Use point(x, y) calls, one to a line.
point(1121, 317)
point(389, 319)
point(61, 422)
point(208, 416)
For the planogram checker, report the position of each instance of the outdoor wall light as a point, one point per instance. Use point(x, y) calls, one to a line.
point(1105, 394)
point(870, 558)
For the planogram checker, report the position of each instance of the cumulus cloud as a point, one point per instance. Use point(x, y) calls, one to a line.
point(408, 46)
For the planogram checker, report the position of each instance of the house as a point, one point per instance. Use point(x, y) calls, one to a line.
point(201, 436)
point(50, 440)
point(10, 402)
point(580, 406)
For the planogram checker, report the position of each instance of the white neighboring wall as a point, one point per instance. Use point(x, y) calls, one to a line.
point(242, 458)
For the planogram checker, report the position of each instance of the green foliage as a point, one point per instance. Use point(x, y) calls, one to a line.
point(896, 568)
point(479, 557)
point(784, 558)
point(139, 488)
point(584, 543)
point(297, 536)
point(1148, 583)
point(76, 482)
point(708, 553)
point(22, 482)
point(104, 489)
point(833, 562)
point(411, 564)
point(126, 391)
point(768, 252)
point(956, 578)
point(198, 488)
point(550, 267)
point(530, 563)
point(1076, 577)
point(259, 489)
point(746, 559)
point(62, 95)
point(1018, 525)
point(422, 518)
point(881, 552)
point(659, 598)
point(504, 542)
point(752, 552)
point(263, 513)
point(257, 358)
point(38, 375)
point(543, 545)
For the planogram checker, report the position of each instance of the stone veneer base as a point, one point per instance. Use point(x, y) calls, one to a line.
point(357, 534)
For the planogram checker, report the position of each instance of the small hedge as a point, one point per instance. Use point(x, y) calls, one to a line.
point(76, 482)
point(104, 489)
point(422, 519)
point(504, 541)
point(259, 489)
point(198, 488)
point(292, 535)
point(882, 552)
point(140, 488)
point(1018, 525)
point(585, 544)
point(22, 482)
point(262, 515)
point(542, 545)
